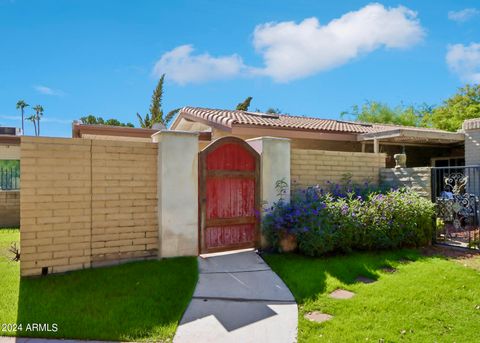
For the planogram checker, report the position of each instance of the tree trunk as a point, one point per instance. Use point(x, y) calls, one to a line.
point(23, 129)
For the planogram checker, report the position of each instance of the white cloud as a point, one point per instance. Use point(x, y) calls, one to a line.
point(10, 117)
point(182, 66)
point(464, 60)
point(57, 120)
point(292, 50)
point(463, 15)
point(48, 91)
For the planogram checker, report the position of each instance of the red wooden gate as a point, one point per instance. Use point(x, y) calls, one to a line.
point(229, 196)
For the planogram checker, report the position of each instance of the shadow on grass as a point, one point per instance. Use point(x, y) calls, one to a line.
point(307, 276)
point(129, 302)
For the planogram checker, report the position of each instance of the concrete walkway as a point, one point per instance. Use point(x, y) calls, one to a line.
point(238, 298)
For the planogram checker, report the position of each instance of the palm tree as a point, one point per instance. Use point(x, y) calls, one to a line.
point(146, 123)
point(33, 119)
point(156, 111)
point(21, 106)
point(38, 115)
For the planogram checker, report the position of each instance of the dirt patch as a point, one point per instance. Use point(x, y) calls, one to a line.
point(388, 269)
point(469, 258)
point(449, 252)
point(364, 279)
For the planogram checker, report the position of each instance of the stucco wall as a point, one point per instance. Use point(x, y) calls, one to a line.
point(9, 209)
point(419, 179)
point(275, 166)
point(86, 203)
point(178, 192)
point(316, 167)
point(472, 142)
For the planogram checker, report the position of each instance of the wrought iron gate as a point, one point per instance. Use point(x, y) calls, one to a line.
point(456, 192)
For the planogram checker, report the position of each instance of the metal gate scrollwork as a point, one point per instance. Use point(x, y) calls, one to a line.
point(456, 206)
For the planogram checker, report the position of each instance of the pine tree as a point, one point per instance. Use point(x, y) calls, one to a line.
point(156, 111)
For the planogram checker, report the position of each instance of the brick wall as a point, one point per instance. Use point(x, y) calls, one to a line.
point(9, 209)
point(416, 178)
point(86, 202)
point(316, 167)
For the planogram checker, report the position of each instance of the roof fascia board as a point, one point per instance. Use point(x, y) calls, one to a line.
point(425, 134)
point(257, 130)
point(79, 129)
point(9, 140)
point(176, 121)
point(420, 145)
point(205, 121)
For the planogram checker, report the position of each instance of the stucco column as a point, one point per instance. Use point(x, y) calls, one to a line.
point(275, 160)
point(471, 128)
point(472, 141)
point(275, 166)
point(177, 193)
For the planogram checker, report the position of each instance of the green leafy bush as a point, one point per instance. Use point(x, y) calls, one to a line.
point(324, 222)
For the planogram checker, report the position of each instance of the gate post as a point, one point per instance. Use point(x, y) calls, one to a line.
point(177, 184)
point(275, 166)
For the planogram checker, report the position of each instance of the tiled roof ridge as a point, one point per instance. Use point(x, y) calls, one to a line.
point(230, 117)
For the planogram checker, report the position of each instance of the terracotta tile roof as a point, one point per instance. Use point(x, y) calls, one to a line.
point(232, 117)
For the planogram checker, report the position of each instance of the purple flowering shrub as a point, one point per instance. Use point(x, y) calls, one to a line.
point(324, 221)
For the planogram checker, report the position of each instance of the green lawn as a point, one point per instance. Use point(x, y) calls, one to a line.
point(430, 299)
point(131, 302)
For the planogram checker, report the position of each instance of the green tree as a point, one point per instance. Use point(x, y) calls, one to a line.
point(465, 104)
point(377, 112)
point(156, 115)
point(115, 122)
point(92, 120)
point(243, 106)
point(272, 110)
point(38, 116)
point(21, 104)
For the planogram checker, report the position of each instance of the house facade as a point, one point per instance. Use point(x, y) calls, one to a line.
point(423, 146)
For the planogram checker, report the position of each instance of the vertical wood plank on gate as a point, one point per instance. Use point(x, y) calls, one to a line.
point(229, 196)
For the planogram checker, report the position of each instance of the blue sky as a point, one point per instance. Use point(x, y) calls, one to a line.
point(315, 58)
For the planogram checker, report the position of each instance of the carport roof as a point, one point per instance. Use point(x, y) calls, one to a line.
point(414, 135)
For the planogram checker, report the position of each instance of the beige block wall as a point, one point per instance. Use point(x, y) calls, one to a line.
point(316, 167)
point(79, 194)
point(9, 208)
point(418, 179)
point(124, 201)
point(9, 152)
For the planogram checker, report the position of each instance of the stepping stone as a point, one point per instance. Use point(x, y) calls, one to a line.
point(341, 294)
point(389, 270)
point(318, 317)
point(364, 279)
